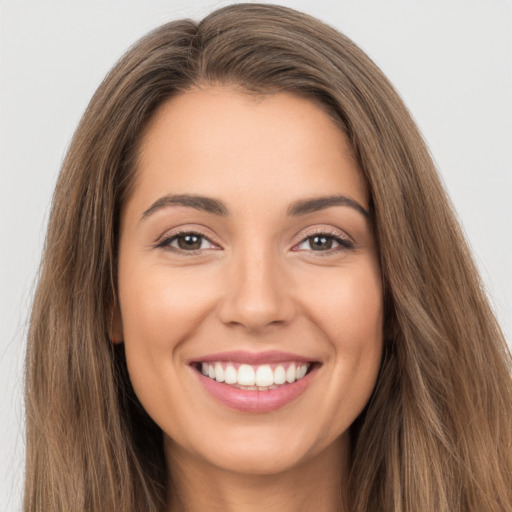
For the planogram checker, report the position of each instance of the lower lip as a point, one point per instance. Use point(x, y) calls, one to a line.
point(254, 400)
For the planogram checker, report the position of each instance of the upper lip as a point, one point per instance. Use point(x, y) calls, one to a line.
point(253, 358)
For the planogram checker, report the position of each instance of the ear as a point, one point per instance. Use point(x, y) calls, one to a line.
point(115, 324)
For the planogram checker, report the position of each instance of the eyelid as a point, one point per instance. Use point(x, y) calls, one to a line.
point(164, 240)
point(344, 241)
point(325, 230)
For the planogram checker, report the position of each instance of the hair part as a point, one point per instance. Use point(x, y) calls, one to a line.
point(436, 433)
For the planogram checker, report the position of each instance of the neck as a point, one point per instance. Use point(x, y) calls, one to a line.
point(317, 483)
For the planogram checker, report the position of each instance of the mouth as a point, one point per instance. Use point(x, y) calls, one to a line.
point(255, 382)
point(264, 377)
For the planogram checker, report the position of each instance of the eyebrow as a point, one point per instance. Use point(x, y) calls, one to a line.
point(217, 207)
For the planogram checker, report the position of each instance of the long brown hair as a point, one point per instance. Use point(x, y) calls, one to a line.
point(437, 432)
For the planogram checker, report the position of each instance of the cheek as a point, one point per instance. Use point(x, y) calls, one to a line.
point(349, 311)
point(159, 306)
point(159, 310)
point(349, 307)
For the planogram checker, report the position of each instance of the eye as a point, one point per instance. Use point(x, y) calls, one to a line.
point(324, 242)
point(186, 241)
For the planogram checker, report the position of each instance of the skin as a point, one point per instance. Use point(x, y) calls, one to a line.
point(255, 284)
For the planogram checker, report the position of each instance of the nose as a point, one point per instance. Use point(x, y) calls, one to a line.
point(258, 292)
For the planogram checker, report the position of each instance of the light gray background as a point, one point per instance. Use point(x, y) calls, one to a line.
point(450, 59)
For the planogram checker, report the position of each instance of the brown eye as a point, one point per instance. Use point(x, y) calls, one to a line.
point(320, 242)
point(188, 241)
point(324, 243)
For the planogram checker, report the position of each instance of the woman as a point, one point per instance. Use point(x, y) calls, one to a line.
point(255, 295)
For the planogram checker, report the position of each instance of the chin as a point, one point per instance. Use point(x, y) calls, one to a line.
point(271, 460)
point(261, 452)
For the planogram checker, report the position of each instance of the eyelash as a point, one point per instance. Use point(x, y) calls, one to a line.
point(344, 243)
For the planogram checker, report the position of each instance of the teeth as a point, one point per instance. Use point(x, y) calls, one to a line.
point(262, 377)
point(230, 375)
point(279, 375)
point(291, 374)
point(246, 375)
point(219, 373)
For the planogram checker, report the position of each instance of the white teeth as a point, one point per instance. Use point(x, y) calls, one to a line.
point(260, 377)
point(279, 375)
point(246, 376)
point(291, 374)
point(219, 373)
point(264, 376)
point(230, 375)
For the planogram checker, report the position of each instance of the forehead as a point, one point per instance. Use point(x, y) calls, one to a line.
point(219, 141)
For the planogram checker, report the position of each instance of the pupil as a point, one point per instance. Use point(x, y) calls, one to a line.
point(321, 242)
point(189, 242)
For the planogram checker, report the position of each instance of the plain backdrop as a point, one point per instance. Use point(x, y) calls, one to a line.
point(451, 60)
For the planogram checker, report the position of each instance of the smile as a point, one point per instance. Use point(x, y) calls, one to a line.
point(255, 383)
point(255, 377)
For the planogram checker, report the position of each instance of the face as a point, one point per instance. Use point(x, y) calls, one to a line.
point(249, 304)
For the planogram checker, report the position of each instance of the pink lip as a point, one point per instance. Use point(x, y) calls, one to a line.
point(254, 358)
point(255, 401)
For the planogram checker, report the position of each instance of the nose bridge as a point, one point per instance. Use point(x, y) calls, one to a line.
point(256, 294)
